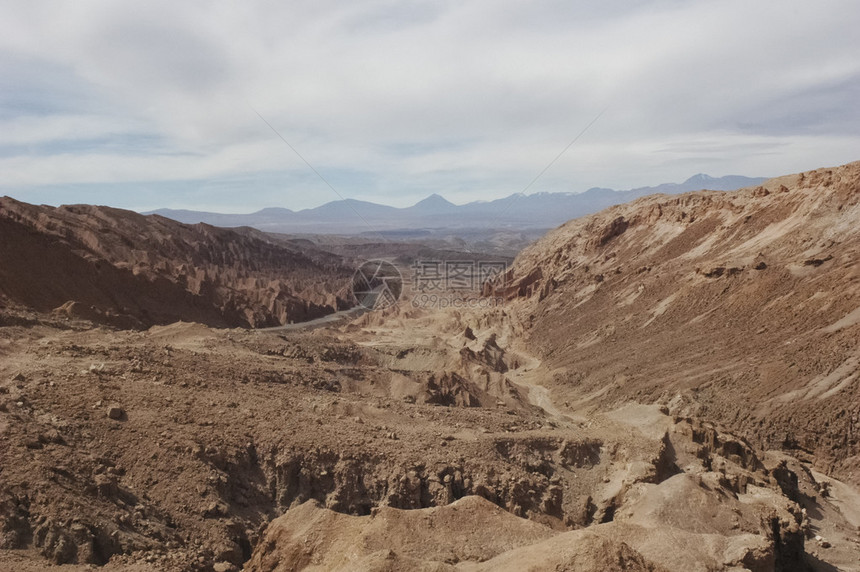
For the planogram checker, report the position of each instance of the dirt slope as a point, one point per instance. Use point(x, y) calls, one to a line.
point(742, 307)
point(124, 269)
point(186, 448)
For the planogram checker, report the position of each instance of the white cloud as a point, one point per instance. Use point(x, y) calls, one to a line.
point(470, 99)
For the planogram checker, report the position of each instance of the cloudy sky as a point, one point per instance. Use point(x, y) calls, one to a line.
point(159, 103)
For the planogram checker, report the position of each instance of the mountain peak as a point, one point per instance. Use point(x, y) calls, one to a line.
point(434, 202)
point(700, 178)
point(725, 183)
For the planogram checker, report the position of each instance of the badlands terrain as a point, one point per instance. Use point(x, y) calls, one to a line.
point(670, 384)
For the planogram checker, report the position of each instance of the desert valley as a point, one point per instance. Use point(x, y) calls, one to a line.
point(669, 384)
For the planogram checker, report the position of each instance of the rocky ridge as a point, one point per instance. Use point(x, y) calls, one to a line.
point(740, 307)
point(117, 267)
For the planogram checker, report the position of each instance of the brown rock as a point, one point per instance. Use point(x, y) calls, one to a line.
point(116, 412)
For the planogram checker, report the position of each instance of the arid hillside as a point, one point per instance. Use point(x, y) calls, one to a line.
point(740, 307)
point(120, 268)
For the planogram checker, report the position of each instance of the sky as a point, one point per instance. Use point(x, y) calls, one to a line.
point(235, 106)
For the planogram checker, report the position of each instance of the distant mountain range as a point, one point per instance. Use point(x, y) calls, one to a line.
point(517, 211)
